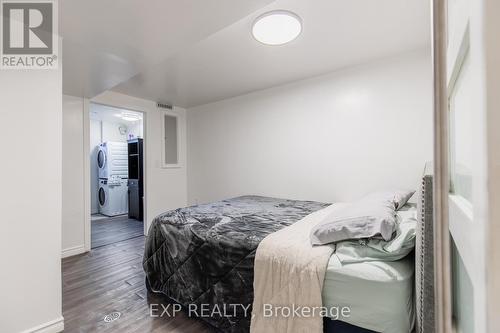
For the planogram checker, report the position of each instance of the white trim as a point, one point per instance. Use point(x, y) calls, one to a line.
point(462, 228)
point(163, 157)
point(464, 204)
point(456, 64)
point(145, 172)
point(456, 33)
point(86, 176)
point(73, 251)
point(53, 326)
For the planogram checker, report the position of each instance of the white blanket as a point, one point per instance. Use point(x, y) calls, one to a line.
point(288, 279)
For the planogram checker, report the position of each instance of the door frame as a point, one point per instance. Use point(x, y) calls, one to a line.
point(86, 178)
point(491, 10)
point(442, 263)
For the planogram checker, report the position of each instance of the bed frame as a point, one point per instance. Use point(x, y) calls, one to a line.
point(424, 267)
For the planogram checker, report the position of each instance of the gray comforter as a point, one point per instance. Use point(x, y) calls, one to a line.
point(205, 254)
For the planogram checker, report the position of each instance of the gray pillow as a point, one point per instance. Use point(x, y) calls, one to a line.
point(398, 197)
point(366, 218)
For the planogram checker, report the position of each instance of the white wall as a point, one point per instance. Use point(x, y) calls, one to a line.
point(136, 129)
point(111, 131)
point(330, 138)
point(30, 200)
point(73, 208)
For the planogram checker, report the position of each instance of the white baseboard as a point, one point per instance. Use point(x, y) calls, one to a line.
point(53, 326)
point(73, 251)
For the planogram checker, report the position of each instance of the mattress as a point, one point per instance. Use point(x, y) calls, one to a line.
point(379, 294)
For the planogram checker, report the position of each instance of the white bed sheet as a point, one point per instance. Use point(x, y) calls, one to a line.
point(379, 294)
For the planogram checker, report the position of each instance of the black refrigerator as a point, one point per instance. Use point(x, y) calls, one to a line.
point(135, 179)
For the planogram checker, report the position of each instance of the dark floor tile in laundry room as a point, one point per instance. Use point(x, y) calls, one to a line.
point(109, 230)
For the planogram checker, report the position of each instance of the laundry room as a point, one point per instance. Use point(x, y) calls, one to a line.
point(116, 174)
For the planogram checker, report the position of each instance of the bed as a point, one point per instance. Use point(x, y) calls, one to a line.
point(204, 255)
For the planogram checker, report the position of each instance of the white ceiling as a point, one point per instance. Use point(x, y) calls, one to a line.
point(225, 62)
point(106, 42)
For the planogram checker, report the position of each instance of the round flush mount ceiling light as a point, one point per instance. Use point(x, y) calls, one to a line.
point(277, 27)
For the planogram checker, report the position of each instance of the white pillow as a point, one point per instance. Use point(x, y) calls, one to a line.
point(400, 246)
point(366, 218)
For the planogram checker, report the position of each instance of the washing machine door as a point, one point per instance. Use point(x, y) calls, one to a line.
point(101, 158)
point(103, 197)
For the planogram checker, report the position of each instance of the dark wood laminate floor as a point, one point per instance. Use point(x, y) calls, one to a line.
point(110, 278)
point(115, 229)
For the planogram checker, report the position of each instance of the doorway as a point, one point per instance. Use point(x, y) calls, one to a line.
point(116, 163)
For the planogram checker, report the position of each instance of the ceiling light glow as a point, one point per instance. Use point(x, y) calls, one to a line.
point(277, 27)
point(128, 116)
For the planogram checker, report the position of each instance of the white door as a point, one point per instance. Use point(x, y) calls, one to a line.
point(466, 154)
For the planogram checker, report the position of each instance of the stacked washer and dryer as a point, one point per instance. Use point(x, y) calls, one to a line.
point(112, 161)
